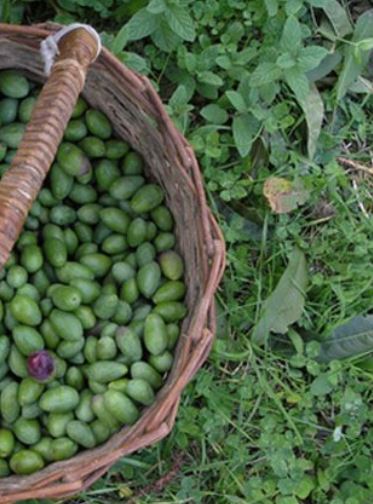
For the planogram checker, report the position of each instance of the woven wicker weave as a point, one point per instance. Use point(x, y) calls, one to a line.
point(138, 117)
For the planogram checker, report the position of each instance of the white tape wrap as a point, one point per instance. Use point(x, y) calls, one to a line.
point(49, 46)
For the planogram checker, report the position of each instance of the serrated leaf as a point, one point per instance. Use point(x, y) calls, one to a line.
point(214, 114)
point(237, 100)
point(245, 128)
point(298, 83)
point(327, 65)
point(353, 338)
point(142, 24)
point(351, 67)
point(181, 22)
point(310, 57)
point(265, 73)
point(336, 14)
point(286, 303)
point(284, 195)
point(291, 38)
point(313, 108)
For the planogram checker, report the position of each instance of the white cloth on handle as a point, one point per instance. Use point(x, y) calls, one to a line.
point(49, 47)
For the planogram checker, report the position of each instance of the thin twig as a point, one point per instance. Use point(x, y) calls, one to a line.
point(355, 164)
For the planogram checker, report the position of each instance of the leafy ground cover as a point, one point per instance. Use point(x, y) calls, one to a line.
point(276, 98)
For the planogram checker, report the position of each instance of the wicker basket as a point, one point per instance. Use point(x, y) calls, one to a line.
point(138, 117)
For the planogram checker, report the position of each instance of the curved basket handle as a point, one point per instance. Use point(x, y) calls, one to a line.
point(21, 184)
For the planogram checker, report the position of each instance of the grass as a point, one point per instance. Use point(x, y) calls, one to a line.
point(270, 424)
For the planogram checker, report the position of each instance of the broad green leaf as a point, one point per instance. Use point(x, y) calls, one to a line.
point(181, 22)
point(237, 100)
point(156, 6)
point(336, 14)
point(321, 385)
point(190, 62)
point(245, 128)
point(212, 78)
point(272, 7)
point(239, 221)
point(126, 10)
point(259, 156)
point(208, 56)
point(224, 61)
point(327, 65)
point(293, 6)
point(310, 57)
point(134, 61)
point(10, 12)
point(68, 5)
point(362, 85)
point(296, 340)
point(120, 40)
point(265, 73)
point(214, 114)
point(291, 38)
point(351, 67)
point(364, 26)
point(208, 91)
point(142, 24)
point(164, 38)
point(366, 44)
point(249, 93)
point(298, 83)
point(245, 56)
point(179, 97)
point(268, 92)
point(353, 338)
point(286, 303)
point(305, 487)
point(313, 108)
point(285, 61)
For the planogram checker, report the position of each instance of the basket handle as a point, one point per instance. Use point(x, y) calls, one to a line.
point(77, 48)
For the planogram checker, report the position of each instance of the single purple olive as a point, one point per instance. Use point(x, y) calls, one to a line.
point(40, 365)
